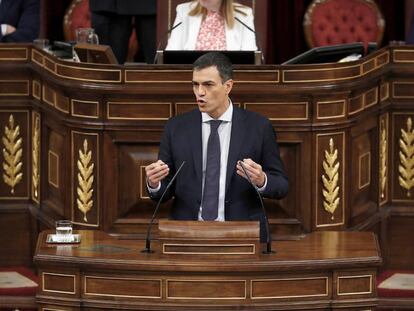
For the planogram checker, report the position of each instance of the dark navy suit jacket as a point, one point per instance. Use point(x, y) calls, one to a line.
point(252, 136)
point(24, 16)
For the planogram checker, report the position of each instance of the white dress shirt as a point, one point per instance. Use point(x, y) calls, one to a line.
point(224, 132)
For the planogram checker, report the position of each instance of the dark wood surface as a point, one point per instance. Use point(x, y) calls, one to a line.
point(120, 111)
point(332, 270)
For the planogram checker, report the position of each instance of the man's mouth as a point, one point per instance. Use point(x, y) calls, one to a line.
point(201, 100)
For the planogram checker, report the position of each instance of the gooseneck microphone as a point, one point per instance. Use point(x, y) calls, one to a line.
point(269, 237)
point(255, 34)
point(148, 236)
point(164, 35)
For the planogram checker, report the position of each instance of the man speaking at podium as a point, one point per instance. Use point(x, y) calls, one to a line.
point(212, 141)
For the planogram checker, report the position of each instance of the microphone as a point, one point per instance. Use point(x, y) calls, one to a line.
point(269, 238)
point(255, 34)
point(164, 35)
point(148, 235)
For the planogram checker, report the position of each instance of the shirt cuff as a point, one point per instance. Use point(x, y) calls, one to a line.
point(262, 189)
point(3, 29)
point(153, 190)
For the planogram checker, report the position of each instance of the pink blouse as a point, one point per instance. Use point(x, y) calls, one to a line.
point(212, 34)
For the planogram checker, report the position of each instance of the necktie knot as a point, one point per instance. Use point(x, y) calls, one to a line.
point(214, 124)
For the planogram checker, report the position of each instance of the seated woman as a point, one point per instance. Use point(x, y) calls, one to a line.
point(213, 25)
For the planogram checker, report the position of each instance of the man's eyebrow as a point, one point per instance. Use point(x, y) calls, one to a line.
point(203, 82)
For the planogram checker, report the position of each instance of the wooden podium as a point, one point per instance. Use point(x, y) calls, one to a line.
point(322, 270)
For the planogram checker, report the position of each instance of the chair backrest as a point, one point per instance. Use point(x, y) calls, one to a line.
point(76, 16)
point(329, 22)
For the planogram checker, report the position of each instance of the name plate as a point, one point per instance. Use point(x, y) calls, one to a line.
point(241, 238)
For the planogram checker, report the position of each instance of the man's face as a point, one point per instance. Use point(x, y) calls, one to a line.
point(211, 93)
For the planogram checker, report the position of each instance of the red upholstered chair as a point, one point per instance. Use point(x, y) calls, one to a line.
point(19, 295)
point(78, 15)
point(329, 22)
point(396, 290)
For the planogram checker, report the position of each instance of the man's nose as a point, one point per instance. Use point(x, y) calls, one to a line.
point(201, 90)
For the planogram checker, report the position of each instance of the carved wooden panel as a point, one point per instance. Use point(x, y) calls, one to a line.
point(362, 169)
point(330, 180)
point(85, 179)
point(402, 181)
point(35, 156)
point(383, 162)
point(54, 168)
point(14, 157)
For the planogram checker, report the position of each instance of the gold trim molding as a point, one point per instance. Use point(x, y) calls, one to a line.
point(330, 180)
point(383, 157)
point(36, 157)
point(406, 154)
point(12, 153)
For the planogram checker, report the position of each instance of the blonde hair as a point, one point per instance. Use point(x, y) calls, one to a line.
point(227, 9)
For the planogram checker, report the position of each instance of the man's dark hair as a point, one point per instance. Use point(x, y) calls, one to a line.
point(217, 59)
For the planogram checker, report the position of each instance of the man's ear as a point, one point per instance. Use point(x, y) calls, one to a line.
point(229, 85)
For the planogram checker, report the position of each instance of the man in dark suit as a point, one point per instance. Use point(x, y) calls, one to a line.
point(243, 137)
point(112, 21)
point(19, 20)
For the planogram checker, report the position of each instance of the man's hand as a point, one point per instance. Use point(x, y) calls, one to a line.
point(10, 29)
point(156, 172)
point(254, 170)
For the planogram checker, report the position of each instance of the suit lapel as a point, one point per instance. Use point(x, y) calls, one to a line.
point(194, 132)
point(194, 23)
point(3, 10)
point(237, 135)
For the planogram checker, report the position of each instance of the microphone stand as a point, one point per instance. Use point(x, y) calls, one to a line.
point(147, 248)
point(269, 238)
point(255, 34)
point(162, 40)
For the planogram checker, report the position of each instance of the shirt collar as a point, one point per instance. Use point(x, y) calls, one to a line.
point(225, 117)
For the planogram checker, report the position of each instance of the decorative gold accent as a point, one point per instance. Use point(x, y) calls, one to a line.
point(330, 182)
point(36, 157)
point(383, 148)
point(406, 167)
point(85, 180)
point(12, 153)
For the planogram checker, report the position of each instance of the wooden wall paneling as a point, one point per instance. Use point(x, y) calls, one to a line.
point(363, 178)
point(400, 236)
point(16, 233)
point(55, 168)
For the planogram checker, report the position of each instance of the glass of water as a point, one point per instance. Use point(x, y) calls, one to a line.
point(63, 230)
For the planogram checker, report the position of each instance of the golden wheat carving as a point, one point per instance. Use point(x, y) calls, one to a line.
point(12, 153)
point(35, 158)
point(406, 166)
point(85, 180)
point(383, 158)
point(330, 180)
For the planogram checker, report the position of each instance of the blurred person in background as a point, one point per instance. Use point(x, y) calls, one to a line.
point(19, 20)
point(213, 25)
point(113, 23)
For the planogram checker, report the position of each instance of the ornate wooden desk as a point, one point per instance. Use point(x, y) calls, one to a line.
point(322, 270)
